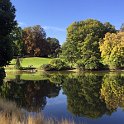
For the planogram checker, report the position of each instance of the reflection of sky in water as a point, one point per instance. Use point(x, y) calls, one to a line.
point(61, 99)
point(57, 108)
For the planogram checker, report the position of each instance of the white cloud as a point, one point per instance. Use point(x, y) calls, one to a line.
point(22, 24)
point(54, 28)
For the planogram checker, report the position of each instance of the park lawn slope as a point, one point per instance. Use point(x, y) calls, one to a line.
point(35, 62)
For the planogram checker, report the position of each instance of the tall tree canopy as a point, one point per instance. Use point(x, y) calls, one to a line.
point(54, 47)
point(83, 42)
point(7, 24)
point(18, 45)
point(109, 28)
point(112, 50)
point(35, 43)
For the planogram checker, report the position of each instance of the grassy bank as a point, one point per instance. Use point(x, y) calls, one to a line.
point(11, 114)
point(35, 62)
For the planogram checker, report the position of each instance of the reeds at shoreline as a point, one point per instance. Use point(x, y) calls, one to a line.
point(11, 114)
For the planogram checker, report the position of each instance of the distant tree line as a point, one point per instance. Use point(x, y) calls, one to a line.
point(32, 41)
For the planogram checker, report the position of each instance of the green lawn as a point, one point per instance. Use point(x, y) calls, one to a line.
point(26, 62)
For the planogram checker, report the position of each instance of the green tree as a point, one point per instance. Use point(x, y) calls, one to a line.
point(2, 75)
point(82, 42)
point(7, 24)
point(109, 28)
point(69, 52)
point(112, 50)
point(18, 64)
point(18, 45)
point(35, 43)
point(54, 47)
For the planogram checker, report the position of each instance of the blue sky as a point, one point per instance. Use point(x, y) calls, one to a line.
point(56, 15)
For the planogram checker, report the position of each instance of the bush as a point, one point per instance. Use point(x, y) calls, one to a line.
point(47, 67)
point(114, 65)
point(56, 65)
point(80, 65)
point(27, 68)
point(18, 65)
point(90, 64)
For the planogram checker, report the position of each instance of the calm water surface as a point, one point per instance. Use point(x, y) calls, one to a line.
point(87, 98)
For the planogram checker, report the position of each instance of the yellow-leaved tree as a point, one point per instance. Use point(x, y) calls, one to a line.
point(112, 50)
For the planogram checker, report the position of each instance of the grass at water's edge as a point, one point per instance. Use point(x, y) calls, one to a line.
point(11, 114)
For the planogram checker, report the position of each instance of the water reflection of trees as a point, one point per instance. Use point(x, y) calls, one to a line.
point(30, 95)
point(88, 94)
point(112, 91)
point(83, 96)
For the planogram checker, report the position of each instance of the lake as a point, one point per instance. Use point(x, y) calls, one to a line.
point(87, 98)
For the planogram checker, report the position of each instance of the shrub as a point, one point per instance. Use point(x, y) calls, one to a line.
point(90, 64)
point(59, 64)
point(56, 65)
point(18, 65)
point(80, 65)
point(27, 68)
point(114, 65)
point(47, 67)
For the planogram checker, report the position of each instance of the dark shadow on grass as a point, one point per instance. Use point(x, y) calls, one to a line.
point(27, 68)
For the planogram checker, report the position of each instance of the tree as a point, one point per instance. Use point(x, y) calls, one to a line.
point(18, 64)
point(35, 43)
point(82, 42)
point(109, 28)
point(69, 52)
point(112, 50)
point(54, 47)
point(2, 75)
point(7, 24)
point(18, 45)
